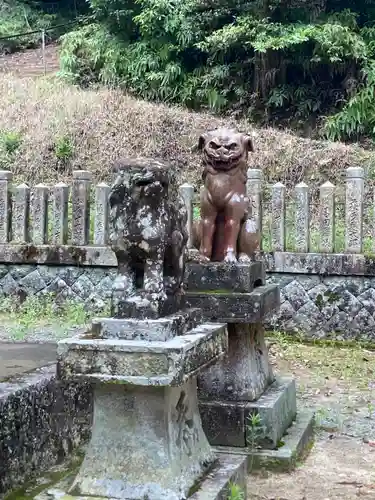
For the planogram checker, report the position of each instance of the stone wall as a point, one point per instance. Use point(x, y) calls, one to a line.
point(341, 308)
point(89, 285)
point(322, 295)
point(42, 422)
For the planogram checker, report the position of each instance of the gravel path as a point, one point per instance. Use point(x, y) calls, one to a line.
point(339, 385)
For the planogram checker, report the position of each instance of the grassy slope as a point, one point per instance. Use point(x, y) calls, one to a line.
point(102, 125)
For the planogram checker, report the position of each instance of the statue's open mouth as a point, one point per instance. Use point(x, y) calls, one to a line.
point(149, 179)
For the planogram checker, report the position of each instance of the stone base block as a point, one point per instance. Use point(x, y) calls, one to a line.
point(244, 373)
point(295, 445)
point(160, 329)
point(145, 443)
point(215, 276)
point(227, 423)
point(141, 362)
point(229, 470)
point(229, 307)
point(144, 306)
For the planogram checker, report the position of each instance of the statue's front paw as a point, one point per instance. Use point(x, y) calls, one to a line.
point(204, 255)
point(230, 258)
point(244, 258)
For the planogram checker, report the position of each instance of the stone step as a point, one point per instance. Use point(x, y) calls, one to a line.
point(216, 276)
point(160, 329)
point(233, 307)
point(227, 423)
point(140, 362)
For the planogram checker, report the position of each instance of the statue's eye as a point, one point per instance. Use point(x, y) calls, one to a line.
point(213, 145)
point(232, 146)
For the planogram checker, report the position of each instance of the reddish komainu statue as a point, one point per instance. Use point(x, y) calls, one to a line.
point(225, 231)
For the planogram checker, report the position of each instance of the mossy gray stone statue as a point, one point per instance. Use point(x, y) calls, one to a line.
point(148, 235)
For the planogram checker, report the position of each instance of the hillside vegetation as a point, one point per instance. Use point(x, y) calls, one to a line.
point(308, 64)
point(49, 128)
point(23, 16)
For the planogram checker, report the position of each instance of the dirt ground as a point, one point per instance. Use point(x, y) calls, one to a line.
point(339, 385)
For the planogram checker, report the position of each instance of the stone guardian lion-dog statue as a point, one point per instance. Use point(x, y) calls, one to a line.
point(226, 232)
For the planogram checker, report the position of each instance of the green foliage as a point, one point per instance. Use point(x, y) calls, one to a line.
point(273, 62)
point(64, 148)
point(23, 16)
point(235, 492)
point(10, 141)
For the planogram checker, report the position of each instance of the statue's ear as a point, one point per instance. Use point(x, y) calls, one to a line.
point(248, 143)
point(202, 142)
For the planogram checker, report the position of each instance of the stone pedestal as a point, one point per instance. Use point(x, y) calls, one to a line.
point(242, 382)
point(147, 437)
point(245, 372)
point(146, 443)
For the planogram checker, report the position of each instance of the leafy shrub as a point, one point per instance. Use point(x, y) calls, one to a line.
point(10, 141)
point(64, 148)
point(22, 16)
point(273, 62)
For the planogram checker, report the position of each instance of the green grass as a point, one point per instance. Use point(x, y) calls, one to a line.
point(42, 312)
point(351, 362)
point(235, 492)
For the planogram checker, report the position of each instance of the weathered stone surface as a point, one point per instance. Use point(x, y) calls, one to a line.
point(278, 217)
point(296, 442)
point(81, 207)
point(21, 214)
point(302, 217)
point(140, 362)
point(228, 470)
point(187, 193)
point(337, 264)
point(147, 233)
point(254, 191)
point(60, 213)
point(277, 408)
point(327, 218)
point(326, 307)
point(146, 443)
point(5, 205)
point(101, 214)
point(226, 423)
point(354, 209)
point(160, 329)
point(147, 306)
point(220, 276)
point(39, 214)
point(57, 254)
point(42, 421)
point(244, 373)
point(229, 307)
point(91, 286)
